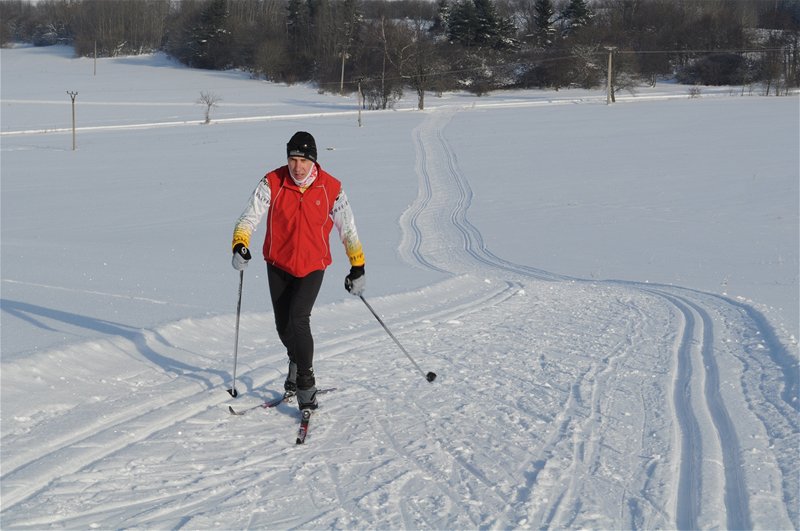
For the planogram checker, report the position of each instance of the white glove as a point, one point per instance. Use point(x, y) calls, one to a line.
point(356, 281)
point(241, 256)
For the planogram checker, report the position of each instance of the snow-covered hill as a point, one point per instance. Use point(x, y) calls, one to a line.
point(608, 295)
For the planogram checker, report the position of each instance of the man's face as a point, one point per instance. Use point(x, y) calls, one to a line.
point(299, 167)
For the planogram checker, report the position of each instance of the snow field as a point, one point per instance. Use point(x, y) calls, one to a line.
point(563, 400)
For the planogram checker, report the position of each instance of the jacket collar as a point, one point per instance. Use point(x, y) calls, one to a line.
point(288, 182)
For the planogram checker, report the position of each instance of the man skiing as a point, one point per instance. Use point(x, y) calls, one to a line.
point(302, 203)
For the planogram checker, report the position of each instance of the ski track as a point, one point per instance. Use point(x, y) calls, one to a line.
point(698, 336)
point(120, 428)
point(634, 412)
point(710, 468)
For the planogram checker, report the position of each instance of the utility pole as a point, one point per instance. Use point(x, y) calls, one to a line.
point(610, 87)
point(73, 95)
point(341, 81)
point(360, 100)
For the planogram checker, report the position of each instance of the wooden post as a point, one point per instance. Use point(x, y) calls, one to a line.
point(73, 95)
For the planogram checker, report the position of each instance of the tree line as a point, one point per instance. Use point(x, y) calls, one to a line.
point(382, 47)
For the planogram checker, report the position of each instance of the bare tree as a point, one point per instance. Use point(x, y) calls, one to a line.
point(422, 65)
point(210, 100)
point(376, 71)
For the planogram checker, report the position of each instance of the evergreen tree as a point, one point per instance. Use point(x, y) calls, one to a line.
point(297, 25)
point(210, 37)
point(545, 31)
point(296, 19)
point(440, 20)
point(476, 23)
point(486, 23)
point(462, 23)
point(576, 15)
point(506, 31)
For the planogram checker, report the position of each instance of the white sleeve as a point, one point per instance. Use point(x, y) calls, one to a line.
point(345, 224)
point(254, 212)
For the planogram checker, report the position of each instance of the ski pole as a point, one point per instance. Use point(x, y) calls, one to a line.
point(431, 376)
point(233, 392)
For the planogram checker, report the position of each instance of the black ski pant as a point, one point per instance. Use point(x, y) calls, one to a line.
point(292, 300)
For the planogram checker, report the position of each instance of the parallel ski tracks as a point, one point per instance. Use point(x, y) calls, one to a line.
point(696, 363)
point(709, 453)
point(81, 446)
point(411, 217)
point(699, 401)
point(421, 221)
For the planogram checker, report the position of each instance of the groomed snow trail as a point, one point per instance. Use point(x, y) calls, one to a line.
point(560, 403)
point(709, 483)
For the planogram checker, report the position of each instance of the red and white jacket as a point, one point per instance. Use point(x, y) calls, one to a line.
point(299, 221)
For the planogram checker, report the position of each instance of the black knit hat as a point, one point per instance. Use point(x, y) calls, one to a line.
point(302, 145)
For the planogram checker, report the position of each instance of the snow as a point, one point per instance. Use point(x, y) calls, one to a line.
point(608, 294)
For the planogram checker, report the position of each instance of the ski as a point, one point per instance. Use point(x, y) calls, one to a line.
point(303, 431)
point(269, 404)
point(264, 405)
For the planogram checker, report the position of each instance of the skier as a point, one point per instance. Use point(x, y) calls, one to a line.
point(302, 203)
